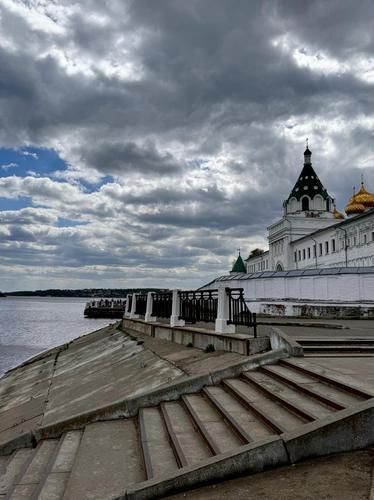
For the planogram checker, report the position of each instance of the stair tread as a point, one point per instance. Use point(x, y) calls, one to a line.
point(161, 454)
point(278, 413)
point(318, 410)
point(13, 467)
point(188, 436)
point(108, 460)
point(327, 390)
point(247, 419)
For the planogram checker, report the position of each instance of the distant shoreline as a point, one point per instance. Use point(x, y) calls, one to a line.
point(88, 293)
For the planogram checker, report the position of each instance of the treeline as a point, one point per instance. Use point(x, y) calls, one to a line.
point(85, 292)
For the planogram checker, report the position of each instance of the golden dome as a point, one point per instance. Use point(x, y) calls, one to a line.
point(364, 197)
point(354, 208)
point(337, 214)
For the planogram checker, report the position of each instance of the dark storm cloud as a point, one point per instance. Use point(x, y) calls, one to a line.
point(115, 158)
point(197, 110)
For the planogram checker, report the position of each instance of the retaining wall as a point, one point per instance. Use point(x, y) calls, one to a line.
point(238, 342)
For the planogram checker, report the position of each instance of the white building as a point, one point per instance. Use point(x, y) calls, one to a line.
point(313, 234)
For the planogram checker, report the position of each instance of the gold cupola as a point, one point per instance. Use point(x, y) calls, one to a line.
point(364, 197)
point(337, 214)
point(353, 207)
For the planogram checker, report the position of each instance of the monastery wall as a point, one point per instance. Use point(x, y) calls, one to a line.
point(345, 287)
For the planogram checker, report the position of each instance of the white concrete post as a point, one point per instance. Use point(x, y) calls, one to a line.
point(148, 312)
point(223, 312)
point(127, 310)
point(175, 310)
point(133, 307)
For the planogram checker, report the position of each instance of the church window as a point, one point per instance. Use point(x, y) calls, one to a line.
point(305, 203)
point(303, 253)
point(328, 205)
point(295, 255)
point(326, 247)
point(333, 245)
point(299, 255)
point(314, 250)
point(365, 239)
point(354, 241)
point(320, 249)
point(308, 252)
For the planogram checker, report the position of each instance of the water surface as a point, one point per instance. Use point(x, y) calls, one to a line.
point(29, 325)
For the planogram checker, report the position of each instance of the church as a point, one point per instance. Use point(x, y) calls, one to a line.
point(312, 233)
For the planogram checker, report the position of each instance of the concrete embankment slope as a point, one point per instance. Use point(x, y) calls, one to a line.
point(117, 416)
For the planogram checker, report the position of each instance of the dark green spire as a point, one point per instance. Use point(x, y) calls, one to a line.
point(239, 266)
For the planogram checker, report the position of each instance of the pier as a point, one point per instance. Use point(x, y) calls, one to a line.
point(105, 308)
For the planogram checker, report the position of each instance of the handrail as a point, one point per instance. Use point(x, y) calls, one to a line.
point(162, 304)
point(141, 304)
point(239, 314)
point(196, 306)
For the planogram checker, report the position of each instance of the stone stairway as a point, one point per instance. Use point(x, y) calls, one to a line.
point(105, 458)
point(338, 346)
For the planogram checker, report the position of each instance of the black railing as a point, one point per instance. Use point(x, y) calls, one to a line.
point(129, 300)
point(198, 306)
point(239, 314)
point(141, 305)
point(162, 303)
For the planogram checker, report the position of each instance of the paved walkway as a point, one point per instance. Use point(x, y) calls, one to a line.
point(341, 477)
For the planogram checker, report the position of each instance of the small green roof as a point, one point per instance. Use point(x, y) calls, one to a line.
point(239, 266)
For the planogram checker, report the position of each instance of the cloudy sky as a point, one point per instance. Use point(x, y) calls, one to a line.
point(143, 142)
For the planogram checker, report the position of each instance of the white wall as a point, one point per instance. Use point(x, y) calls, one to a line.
point(335, 288)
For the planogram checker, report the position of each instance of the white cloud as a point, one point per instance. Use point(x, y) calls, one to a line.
point(7, 166)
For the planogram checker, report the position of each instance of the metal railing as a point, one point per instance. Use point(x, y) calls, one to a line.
point(196, 306)
point(162, 305)
point(141, 304)
point(239, 314)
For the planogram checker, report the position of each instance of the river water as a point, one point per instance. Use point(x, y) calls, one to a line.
point(31, 325)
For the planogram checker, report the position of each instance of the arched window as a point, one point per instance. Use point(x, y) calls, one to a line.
point(328, 205)
point(279, 267)
point(305, 203)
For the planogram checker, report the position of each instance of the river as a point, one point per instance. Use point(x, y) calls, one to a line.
point(29, 325)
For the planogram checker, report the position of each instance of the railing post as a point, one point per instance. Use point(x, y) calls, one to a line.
point(176, 310)
point(133, 307)
point(127, 309)
point(223, 313)
point(148, 313)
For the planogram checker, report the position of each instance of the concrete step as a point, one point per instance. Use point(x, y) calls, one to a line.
point(57, 475)
point(158, 454)
point(338, 349)
point(32, 475)
point(188, 444)
point(174, 438)
point(242, 418)
point(298, 402)
point(278, 418)
point(216, 432)
point(12, 468)
point(109, 459)
point(336, 340)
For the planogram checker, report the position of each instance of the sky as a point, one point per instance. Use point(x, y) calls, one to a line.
point(142, 143)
